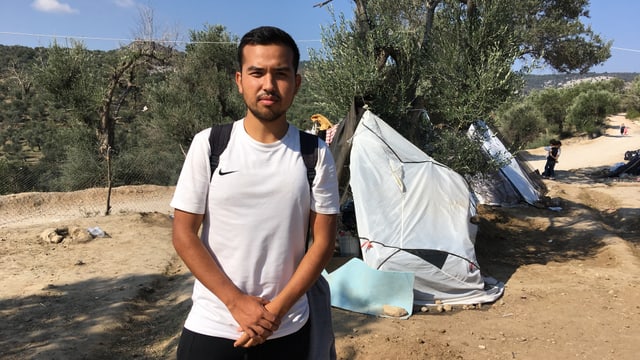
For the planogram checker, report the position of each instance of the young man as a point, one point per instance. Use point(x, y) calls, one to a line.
point(250, 266)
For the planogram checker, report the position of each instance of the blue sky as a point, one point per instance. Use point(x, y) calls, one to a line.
point(24, 22)
point(106, 24)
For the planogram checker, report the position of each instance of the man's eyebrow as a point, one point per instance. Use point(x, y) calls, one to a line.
point(280, 68)
point(254, 68)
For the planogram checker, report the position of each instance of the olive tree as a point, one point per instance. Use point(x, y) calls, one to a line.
point(453, 58)
point(200, 91)
point(93, 93)
point(630, 101)
point(590, 109)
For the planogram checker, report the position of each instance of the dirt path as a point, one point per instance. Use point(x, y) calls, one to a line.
point(604, 151)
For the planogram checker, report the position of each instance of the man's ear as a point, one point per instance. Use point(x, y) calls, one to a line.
point(239, 81)
point(298, 82)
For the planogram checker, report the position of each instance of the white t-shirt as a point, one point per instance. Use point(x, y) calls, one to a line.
point(256, 219)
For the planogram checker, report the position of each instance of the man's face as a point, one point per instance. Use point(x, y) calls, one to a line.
point(268, 82)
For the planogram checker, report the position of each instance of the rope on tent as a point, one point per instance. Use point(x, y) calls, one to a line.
point(411, 251)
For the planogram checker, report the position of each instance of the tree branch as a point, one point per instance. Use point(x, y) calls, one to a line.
point(321, 4)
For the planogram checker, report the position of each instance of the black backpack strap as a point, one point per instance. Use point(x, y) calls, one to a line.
point(218, 140)
point(309, 151)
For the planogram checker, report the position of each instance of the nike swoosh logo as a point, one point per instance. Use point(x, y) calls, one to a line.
point(223, 173)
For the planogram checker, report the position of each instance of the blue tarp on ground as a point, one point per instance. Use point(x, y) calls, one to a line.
point(357, 287)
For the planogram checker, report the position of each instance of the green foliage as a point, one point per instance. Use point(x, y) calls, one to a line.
point(460, 153)
point(613, 85)
point(380, 65)
point(303, 107)
point(19, 55)
point(342, 71)
point(552, 103)
point(590, 109)
point(7, 186)
point(552, 32)
point(630, 99)
point(51, 134)
point(154, 158)
point(16, 177)
point(201, 91)
point(521, 123)
point(470, 72)
point(70, 76)
point(633, 114)
point(566, 111)
point(453, 59)
point(82, 166)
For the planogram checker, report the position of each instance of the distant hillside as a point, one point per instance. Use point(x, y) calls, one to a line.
point(534, 82)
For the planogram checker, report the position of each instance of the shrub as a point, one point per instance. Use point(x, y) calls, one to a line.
point(521, 123)
point(590, 109)
point(633, 114)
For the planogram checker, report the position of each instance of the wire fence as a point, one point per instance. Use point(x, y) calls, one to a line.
point(48, 207)
point(25, 197)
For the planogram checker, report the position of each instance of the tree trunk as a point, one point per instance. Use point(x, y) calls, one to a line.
point(106, 130)
point(109, 183)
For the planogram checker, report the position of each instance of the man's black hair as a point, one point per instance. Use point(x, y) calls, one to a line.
point(269, 35)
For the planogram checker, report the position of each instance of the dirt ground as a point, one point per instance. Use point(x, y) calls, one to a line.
point(572, 278)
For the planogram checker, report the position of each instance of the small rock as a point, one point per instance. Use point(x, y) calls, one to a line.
point(394, 311)
point(79, 235)
point(53, 236)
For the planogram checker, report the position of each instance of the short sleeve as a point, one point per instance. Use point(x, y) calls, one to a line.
point(325, 197)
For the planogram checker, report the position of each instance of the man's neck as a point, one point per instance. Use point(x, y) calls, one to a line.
point(266, 132)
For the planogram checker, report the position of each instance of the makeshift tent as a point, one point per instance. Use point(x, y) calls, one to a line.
point(514, 183)
point(413, 214)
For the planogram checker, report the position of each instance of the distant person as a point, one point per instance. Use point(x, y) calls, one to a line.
point(623, 130)
point(553, 154)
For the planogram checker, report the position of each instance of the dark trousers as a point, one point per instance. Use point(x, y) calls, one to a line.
point(549, 168)
point(194, 346)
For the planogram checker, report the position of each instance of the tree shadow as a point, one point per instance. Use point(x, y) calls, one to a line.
point(625, 222)
point(84, 320)
point(509, 238)
point(349, 321)
point(588, 175)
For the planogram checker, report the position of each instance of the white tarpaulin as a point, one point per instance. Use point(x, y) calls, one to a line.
point(512, 174)
point(413, 214)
